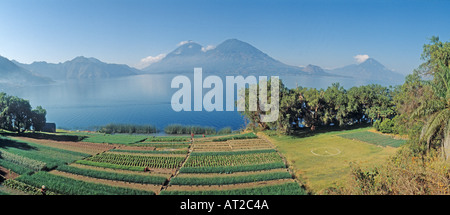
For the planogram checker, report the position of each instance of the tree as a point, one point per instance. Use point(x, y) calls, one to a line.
point(38, 118)
point(16, 114)
point(437, 108)
point(336, 100)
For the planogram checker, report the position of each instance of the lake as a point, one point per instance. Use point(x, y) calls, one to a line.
point(141, 99)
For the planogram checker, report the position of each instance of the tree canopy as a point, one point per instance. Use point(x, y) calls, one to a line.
point(311, 107)
point(17, 115)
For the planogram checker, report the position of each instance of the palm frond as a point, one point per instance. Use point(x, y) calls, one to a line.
point(435, 125)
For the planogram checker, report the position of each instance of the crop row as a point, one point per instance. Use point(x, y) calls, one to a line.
point(374, 138)
point(68, 186)
point(53, 157)
point(221, 153)
point(150, 151)
point(232, 160)
point(17, 185)
point(115, 139)
point(289, 188)
point(19, 169)
point(223, 180)
point(165, 162)
point(236, 137)
point(168, 139)
point(143, 179)
point(22, 161)
point(232, 169)
point(110, 166)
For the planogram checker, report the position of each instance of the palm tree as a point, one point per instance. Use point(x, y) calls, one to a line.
point(437, 111)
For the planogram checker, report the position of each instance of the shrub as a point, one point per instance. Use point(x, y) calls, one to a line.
point(128, 128)
point(404, 174)
point(226, 130)
point(188, 129)
point(387, 126)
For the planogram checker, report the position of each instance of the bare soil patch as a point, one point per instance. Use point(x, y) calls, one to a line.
point(7, 174)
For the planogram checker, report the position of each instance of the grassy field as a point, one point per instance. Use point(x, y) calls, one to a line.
point(323, 160)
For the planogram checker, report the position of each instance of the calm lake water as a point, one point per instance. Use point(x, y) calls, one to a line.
point(141, 99)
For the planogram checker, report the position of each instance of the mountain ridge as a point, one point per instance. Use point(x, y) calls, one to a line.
point(231, 57)
point(14, 75)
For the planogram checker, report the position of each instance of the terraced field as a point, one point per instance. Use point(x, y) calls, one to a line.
point(143, 165)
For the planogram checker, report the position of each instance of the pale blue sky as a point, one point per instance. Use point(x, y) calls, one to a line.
point(325, 33)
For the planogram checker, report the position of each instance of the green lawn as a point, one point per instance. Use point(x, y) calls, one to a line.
point(323, 160)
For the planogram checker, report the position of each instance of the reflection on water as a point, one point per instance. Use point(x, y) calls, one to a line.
point(141, 99)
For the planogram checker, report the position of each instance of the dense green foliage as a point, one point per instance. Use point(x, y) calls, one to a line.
point(423, 108)
point(423, 101)
point(310, 107)
point(68, 186)
point(188, 129)
point(127, 128)
point(291, 188)
point(17, 115)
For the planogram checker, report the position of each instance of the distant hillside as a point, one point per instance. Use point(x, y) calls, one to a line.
point(80, 68)
point(370, 71)
point(14, 75)
point(232, 57)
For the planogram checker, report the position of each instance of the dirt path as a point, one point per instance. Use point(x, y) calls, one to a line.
point(7, 174)
point(177, 171)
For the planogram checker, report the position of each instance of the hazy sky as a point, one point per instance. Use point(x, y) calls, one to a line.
point(325, 33)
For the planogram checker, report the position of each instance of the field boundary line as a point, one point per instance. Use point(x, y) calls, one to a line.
point(177, 171)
